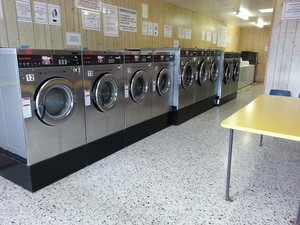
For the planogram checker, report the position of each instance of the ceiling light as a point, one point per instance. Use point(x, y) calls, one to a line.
point(242, 15)
point(259, 23)
point(269, 10)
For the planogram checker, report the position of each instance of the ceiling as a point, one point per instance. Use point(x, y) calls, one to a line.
point(225, 10)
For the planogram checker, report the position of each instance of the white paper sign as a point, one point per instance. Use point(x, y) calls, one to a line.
point(155, 29)
point(128, 20)
point(23, 11)
point(54, 15)
point(150, 28)
point(144, 10)
point(176, 45)
point(214, 37)
point(26, 107)
point(168, 31)
point(181, 32)
point(291, 10)
point(188, 34)
point(208, 36)
point(222, 36)
point(40, 13)
point(87, 97)
point(110, 20)
point(145, 27)
point(73, 39)
point(90, 20)
point(1, 10)
point(94, 5)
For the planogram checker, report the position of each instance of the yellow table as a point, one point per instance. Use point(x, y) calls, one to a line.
point(275, 116)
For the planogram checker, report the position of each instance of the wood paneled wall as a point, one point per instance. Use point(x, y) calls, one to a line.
point(16, 34)
point(256, 40)
point(284, 55)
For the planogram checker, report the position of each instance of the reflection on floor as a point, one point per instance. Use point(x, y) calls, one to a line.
point(176, 176)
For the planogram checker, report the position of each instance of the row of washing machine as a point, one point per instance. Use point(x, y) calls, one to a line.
point(61, 109)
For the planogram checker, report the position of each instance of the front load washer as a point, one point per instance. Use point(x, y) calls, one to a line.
point(104, 102)
point(184, 85)
point(41, 114)
point(162, 82)
point(137, 91)
point(236, 71)
point(224, 84)
point(215, 72)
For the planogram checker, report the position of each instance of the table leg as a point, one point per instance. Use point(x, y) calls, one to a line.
point(261, 140)
point(229, 165)
point(298, 217)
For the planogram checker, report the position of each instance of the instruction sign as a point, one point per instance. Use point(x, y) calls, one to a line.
point(291, 10)
point(128, 20)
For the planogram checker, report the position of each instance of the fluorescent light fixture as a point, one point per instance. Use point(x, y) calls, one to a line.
point(259, 23)
point(242, 15)
point(269, 10)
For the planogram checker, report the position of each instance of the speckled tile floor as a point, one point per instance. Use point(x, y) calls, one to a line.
point(176, 176)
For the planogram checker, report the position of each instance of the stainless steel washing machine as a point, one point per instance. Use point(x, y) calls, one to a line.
point(202, 74)
point(224, 85)
point(215, 72)
point(42, 108)
point(104, 93)
point(162, 82)
point(236, 71)
point(184, 85)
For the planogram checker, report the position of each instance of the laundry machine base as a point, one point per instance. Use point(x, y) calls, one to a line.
point(225, 99)
point(105, 146)
point(182, 115)
point(204, 105)
point(43, 173)
point(146, 128)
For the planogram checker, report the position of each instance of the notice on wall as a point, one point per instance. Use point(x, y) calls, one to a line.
point(73, 39)
point(214, 37)
point(128, 20)
point(168, 31)
point(222, 36)
point(208, 36)
point(90, 20)
point(181, 32)
point(54, 15)
point(110, 20)
point(176, 45)
point(1, 10)
point(94, 5)
point(150, 28)
point(145, 27)
point(23, 11)
point(144, 10)
point(155, 29)
point(203, 35)
point(188, 34)
point(291, 10)
point(40, 13)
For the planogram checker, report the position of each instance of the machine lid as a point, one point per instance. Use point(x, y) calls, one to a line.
point(105, 92)
point(55, 101)
point(163, 82)
point(203, 71)
point(236, 71)
point(139, 86)
point(228, 72)
point(187, 75)
point(214, 70)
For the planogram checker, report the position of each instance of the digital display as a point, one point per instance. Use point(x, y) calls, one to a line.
point(47, 60)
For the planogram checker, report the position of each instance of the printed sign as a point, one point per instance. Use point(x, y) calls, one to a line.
point(23, 11)
point(291, 10)
point(1, 10)
point(110, 20)
point(87, 97)
point(94, 5)
point(73, 39)
point(26, 107)
point(128, 20)
point(54, 15)
point(168, 31)
point(40, 13)
point(90, 20)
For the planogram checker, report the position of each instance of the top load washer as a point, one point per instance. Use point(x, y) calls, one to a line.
point(162, 82)
point(137, 86)
point(104, 93)
point(42, 110)
point(202, 74)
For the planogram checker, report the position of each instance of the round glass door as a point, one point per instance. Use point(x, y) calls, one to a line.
point(203, 71)
point(228, 72)
point(55, 101)
point(106, 92)
point(139, 86)
point(163, 83)
point(214, 70)
point(187, 75)
point(236, 71)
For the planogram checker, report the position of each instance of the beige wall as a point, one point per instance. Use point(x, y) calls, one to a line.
point(15, 34)
point(256, 40)
point(284, 56)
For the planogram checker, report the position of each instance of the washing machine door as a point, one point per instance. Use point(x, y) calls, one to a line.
point(187, 75)
point(214, 70)
point(203, 71)
point(236, 71)
point(139, 86)
point(55, 101)
point(228, 72)
point(105, 92)
point(163, 82)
